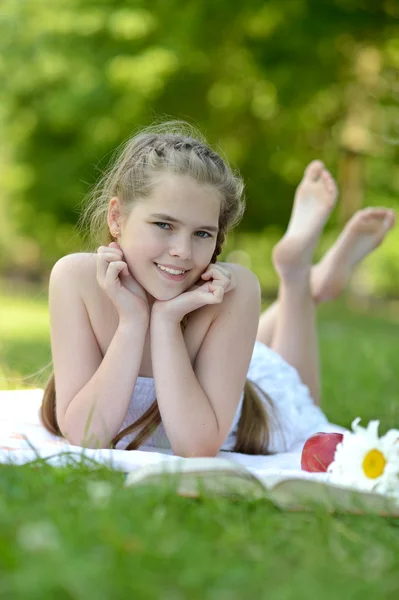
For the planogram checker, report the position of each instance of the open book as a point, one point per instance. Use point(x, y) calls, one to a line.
point(217, 476)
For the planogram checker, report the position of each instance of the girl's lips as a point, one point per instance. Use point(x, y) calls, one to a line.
point(170, 276)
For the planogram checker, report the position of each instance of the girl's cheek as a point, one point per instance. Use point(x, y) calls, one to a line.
point(208, 257)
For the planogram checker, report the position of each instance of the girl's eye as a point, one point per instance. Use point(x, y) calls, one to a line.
point(201, 234)
point(161, 225)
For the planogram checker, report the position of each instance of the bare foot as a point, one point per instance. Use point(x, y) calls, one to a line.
point(314, 200)
point(361, 235)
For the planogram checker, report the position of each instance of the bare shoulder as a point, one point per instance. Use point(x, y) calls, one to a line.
point(240, 308)
point(77, 270)
point(74, 266)
point(246, 292)
point(247, 285)
point(242, 273)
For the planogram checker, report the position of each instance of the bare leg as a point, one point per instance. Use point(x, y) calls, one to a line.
point(362, 234)
point(295, 336)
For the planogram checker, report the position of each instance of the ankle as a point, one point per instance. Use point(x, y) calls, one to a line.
point(297, 280)
point(315, 284)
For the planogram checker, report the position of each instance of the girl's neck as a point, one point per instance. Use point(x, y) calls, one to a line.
point(150, 299)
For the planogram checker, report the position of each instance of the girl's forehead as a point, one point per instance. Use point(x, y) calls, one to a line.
point(183, 194)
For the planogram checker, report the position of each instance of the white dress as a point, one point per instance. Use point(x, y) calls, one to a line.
point(293, 419)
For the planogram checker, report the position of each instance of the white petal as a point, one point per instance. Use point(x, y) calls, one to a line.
point(372, 428)
point(391, 437)
point(355, 424)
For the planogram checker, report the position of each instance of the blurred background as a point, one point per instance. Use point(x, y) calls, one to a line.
point(272, 83)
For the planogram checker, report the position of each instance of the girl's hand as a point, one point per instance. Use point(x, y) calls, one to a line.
point(114, 277)
point(222, 274)
point(218, 281)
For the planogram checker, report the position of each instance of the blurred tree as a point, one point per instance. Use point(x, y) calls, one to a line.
point(273, 83)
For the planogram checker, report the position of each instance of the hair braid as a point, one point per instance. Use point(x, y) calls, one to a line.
point(221, 236)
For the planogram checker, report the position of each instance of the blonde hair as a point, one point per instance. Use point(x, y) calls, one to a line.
point(177, 148)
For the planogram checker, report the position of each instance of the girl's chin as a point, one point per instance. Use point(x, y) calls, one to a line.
point(166, 295)
point(161, 291)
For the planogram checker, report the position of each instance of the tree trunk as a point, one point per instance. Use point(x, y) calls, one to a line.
point(351, 182)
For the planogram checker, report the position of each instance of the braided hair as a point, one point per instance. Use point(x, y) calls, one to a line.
point(172, 147)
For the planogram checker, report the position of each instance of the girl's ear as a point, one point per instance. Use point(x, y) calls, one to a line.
point(114, 214)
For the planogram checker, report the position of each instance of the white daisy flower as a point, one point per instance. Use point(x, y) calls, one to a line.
point(367, 462)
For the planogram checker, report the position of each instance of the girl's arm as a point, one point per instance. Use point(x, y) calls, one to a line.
point(93, 392)
point(198, 405)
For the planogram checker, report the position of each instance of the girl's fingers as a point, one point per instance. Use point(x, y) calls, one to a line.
point(218, 274)
point(217, 271)
point(105, 257)
point(216, 295)
point(225, 270)
point(213, 292)
point(113, 271)
point(215, 286)
point(230, 280)
point(102, 266)
point(110, 248)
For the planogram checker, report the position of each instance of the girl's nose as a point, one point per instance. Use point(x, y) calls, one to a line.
point(181, 247)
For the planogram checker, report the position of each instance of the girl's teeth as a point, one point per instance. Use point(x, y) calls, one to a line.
point(171, 271)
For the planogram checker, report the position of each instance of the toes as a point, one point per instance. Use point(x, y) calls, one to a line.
point(314, 170)
point(390, 220)
point(376, 218)
point(378, 214)
point(328, 180)
point(390, 217)
point(329, 184)
point(378, 211)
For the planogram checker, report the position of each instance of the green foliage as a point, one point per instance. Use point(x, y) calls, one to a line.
point(272, 83)
point(25, 355)
point(254, 251)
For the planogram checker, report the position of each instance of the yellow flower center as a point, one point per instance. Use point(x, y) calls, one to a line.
point(374, 464)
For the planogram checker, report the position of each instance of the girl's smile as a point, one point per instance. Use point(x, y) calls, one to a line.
point(172, 273)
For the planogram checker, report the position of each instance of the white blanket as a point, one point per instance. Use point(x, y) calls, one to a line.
point(24, 439)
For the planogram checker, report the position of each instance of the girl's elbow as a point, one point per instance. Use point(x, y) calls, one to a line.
point(197, 454)
point(92, 442)
point(85, 439)
point(200, 450)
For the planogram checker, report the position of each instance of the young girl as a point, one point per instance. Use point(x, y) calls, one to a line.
point(153, 342)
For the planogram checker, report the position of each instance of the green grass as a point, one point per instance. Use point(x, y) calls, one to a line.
point(24, 340)
point(58, 541)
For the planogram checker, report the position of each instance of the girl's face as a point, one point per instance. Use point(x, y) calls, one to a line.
point(169, 238)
